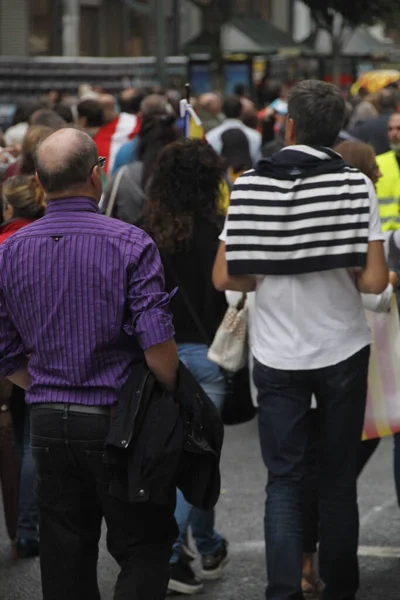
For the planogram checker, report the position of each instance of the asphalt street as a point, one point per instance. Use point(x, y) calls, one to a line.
point(240, 518)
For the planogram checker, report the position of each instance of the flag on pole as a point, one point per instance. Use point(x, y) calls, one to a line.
point(192, 125)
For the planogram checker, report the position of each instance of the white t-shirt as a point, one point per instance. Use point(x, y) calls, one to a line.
point(314, 320)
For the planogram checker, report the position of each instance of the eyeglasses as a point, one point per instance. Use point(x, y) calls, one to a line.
point(101, 161)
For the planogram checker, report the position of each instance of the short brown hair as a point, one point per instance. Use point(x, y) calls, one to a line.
point(318, 111)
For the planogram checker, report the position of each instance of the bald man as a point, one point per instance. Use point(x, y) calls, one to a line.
point(209, 109)
point(83, 297)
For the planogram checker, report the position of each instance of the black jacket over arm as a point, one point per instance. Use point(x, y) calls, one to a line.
point(159, 441)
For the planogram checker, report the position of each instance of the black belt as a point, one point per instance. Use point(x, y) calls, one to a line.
point(76, 408)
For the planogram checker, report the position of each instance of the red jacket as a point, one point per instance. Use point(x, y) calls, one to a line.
point(11, 227)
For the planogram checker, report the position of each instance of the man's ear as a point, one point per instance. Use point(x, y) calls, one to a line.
point(290, 135)
point(95, 174)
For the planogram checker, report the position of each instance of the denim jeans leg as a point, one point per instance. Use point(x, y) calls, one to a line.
point(183, 511)
point(397, 465)
point(28, 514)
point(341, 392)
point(284, 399)
point(208, 541)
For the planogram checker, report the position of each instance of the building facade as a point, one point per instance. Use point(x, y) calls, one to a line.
point(112, 27)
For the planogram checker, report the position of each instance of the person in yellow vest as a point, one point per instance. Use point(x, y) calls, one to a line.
point(388, 186)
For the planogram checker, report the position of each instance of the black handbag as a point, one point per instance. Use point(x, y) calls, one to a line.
point(238, 406)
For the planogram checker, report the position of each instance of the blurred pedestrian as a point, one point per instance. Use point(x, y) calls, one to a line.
point(183, 217)
point(25, 163)
point(388, 187)
point(151, 105)
point(375, 131)
point(115, 132)
point(20, 123)
point(47, 118)
point(23, 203)
point(90, 116)
point(361, 156)
point(311, 336)
point(249, 113)
point(367, 108)
point(209, 110)
point(233, 110)
point(128, 188)
point(8, 465)
point(103, 308)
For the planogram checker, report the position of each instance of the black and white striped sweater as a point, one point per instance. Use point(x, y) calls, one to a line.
point(304, 210)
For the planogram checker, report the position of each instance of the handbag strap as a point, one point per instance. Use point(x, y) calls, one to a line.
point(114, 191)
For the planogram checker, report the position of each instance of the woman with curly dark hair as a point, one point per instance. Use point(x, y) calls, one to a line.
point(182, 215)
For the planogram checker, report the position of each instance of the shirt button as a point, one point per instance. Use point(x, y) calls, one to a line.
point(142, 493)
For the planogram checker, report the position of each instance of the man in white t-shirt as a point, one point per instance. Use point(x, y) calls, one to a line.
point(311, 338)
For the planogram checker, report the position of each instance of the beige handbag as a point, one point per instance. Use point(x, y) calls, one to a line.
point(229, 349)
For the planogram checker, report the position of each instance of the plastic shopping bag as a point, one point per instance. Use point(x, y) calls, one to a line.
point(382, 416)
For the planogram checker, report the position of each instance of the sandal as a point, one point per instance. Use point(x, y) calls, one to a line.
point(312, 586)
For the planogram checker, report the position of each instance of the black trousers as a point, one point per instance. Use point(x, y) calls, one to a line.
point(71, 490)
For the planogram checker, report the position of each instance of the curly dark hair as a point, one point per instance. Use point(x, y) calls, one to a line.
point(185, 190)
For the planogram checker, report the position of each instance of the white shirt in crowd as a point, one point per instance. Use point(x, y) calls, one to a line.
point(214, 137)
point(313, 320)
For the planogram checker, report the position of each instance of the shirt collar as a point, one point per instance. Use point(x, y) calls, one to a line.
point(233, 122)
point(72, 204)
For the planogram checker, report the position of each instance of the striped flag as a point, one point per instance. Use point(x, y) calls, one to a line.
point(112, 136)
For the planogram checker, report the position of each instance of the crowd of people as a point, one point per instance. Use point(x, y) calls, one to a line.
point(295, 204)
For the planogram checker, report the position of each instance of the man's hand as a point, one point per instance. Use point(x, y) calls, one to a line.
point(163, 361)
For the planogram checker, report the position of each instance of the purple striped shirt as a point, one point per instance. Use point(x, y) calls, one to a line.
point(83, 295)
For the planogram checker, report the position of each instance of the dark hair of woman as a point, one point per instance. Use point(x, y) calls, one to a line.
point(156, 132)
point(184, 191)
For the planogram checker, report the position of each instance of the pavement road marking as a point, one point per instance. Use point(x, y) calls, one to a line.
point(379, 551)
point(366, 551)
point(377, 510)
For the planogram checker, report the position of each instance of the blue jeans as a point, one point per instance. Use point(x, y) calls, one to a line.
point(284, 401)
point(208, 374)
point(28, 514)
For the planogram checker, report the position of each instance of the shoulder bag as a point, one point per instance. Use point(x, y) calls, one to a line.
point(238, 406)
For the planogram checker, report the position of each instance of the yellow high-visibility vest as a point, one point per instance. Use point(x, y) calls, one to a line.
point(388, 191)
